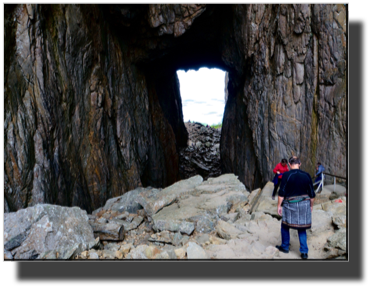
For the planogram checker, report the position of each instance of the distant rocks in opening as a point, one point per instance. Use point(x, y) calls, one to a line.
point(202, 154)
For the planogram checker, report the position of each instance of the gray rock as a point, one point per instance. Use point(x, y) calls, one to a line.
point(184, 240)
point(139, 252)
point(174, 226)
point(205, 225)
point(194, 251)
point(124, 203)
point(170, 250)
point(338, 239)
point(7, 255)
point(339, 221)
point(202, 239)
point(110, 231)
point(136, 221)
point(102, 221)
point(227, 231)
point(153, 201)
point(112, 246)
point(33, 231)
point(162, 237)
point(109, 254)
point(232, 217)
point(96, 244)
point(122, 216)
point(177, 237)
point(333, 196)
point(93, 255)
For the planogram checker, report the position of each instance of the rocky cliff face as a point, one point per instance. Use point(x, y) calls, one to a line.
point(92, 103)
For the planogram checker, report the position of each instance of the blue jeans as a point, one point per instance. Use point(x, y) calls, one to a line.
point(285, 235)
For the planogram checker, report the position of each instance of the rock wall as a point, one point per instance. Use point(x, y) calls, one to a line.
point(92, 104)
point(294, 88)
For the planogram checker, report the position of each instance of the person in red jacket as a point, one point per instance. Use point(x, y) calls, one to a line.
point(280, 168)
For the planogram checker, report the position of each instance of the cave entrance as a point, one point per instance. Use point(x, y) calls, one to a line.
point(204, 94)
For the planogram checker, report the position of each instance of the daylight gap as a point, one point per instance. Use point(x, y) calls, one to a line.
point(204, 96)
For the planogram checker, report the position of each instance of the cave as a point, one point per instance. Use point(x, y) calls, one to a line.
point(93, 108)
point(202, 45)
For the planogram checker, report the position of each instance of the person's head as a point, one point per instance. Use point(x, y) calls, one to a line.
point(319, 163)
point(284, 162)
point(294, 162)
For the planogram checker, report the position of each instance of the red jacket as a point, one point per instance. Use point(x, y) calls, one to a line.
point(281, 169)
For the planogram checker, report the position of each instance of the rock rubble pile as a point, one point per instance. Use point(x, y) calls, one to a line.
point(192, 219)
point(202, 154)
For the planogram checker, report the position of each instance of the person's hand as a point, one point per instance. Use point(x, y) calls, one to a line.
point(278, 172)
point(311, 208)
point(279, 210)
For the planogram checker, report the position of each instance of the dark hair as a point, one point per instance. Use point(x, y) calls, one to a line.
point(319, 163)
point(284, 161)
point(294, 160)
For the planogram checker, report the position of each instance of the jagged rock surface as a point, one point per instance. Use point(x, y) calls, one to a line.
point(202, 154)
point(47, 230)
point(212, 219)
point(93, 109)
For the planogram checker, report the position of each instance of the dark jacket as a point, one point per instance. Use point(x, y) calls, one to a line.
point(296, 183)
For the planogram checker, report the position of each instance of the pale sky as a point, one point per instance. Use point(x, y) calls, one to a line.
point(202, 94)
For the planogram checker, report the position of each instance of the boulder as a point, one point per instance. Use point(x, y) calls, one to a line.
point(226, 231)
point(201, 207)
point(265, 203)
point(174, 226)
point(154, 200)
point(35, 231)
point(338, 240)
point(135, 223)
point(125, 203)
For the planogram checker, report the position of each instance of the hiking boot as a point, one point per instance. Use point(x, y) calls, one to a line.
point(304, 256)
point(279, 247)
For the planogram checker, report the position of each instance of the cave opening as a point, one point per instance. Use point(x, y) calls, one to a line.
point(203, 94)
point(207, 45)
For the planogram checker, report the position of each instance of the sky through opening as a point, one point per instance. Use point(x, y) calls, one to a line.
point(202, 94)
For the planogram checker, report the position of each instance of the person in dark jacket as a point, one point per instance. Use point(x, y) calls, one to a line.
point(319, 171)
point(280, 168)
point(295, 204)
